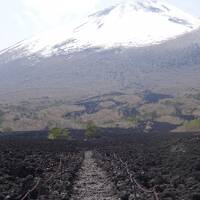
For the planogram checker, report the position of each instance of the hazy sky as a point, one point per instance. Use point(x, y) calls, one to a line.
point(21, 19)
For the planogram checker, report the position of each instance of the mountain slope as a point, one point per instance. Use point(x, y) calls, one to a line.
point(133, 24)
point(172, 66)
point(85, 63)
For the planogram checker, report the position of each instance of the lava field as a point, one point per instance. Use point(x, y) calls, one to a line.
point(140, 166)
point(154, 167)
point(37, 169)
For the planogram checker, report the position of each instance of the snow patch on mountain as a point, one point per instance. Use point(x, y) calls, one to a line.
point(133, 24)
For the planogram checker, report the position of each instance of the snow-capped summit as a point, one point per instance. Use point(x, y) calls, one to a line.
point(133, 24)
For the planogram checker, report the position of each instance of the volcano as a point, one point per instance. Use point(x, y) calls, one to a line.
point(139, 45)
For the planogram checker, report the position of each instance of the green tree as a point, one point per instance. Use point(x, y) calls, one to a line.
point(91, 130)
point(57, 133)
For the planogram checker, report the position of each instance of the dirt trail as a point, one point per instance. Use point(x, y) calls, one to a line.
point(92, 182)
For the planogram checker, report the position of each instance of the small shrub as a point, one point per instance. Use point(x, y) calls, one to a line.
point(57, 133)
point(91, 130)
point(192, 125)
point(7, 130)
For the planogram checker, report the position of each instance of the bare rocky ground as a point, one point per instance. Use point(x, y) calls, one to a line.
point(129, 164)
point(92, 182)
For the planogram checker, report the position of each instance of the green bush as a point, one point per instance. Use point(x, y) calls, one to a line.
point(91, 130)
point(57, 133)
point(7, 130)
point(192, 125)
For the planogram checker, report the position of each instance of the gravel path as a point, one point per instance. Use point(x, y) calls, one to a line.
point(92, 182)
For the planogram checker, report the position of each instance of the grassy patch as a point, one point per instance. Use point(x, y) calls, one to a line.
point(192, 124)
